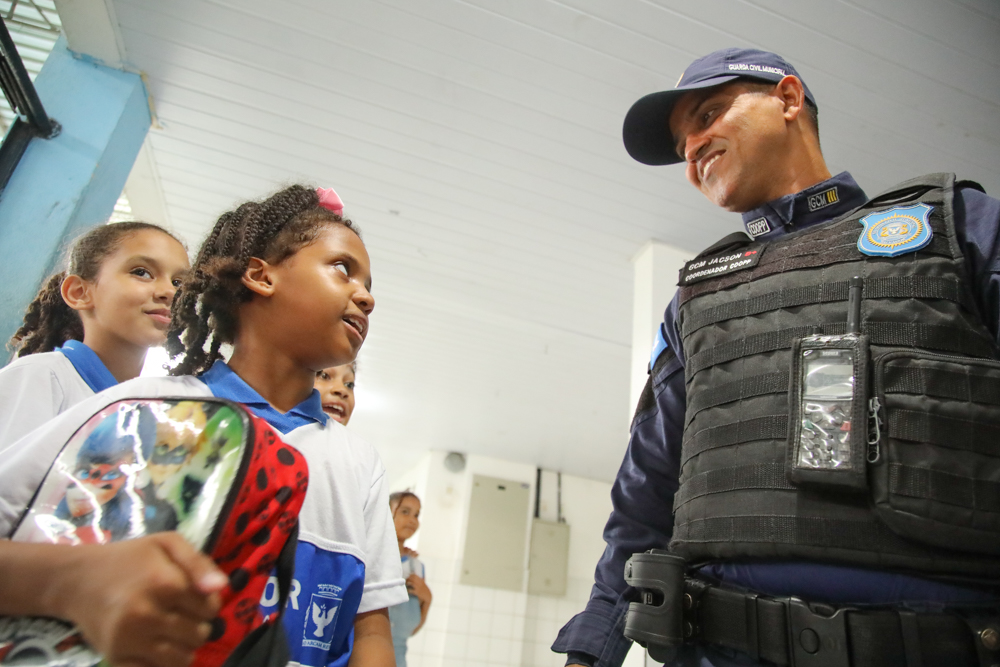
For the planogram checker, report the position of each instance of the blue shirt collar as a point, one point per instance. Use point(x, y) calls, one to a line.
point(224, 383)
point(88, 365)
point(822, 202)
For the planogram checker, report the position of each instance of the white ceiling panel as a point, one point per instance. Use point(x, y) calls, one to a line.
point(478, 146)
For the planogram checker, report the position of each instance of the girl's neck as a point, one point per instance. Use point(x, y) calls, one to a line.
point(400, 546)
point(123, 359)
point(278, 379)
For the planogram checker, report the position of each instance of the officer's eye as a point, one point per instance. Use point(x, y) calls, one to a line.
point(340, 266)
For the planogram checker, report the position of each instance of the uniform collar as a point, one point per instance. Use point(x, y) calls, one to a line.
point(88, 365)
point(224, 383)
point(820, 203)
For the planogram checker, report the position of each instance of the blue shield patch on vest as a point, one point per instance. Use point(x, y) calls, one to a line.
point(897, 231)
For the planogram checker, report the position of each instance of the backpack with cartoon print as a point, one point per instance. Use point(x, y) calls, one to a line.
point(204, 467)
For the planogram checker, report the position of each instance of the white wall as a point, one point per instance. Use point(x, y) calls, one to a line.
point(654, 281)
point(473, 626)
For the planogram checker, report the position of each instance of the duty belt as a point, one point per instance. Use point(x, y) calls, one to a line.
point(790, 631)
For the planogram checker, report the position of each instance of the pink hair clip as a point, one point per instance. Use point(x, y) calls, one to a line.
point(330, 200)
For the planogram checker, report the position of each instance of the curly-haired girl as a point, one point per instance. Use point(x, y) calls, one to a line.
point(91, 324)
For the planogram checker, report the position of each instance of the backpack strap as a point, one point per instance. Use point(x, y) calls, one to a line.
point(267, 646)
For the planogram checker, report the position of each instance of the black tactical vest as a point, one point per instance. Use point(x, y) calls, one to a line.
point(930, 496)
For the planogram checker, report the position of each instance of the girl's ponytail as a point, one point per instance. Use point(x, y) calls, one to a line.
point(48, 322)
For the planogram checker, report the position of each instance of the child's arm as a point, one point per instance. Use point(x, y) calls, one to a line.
point(416, 585)
point(372, 640)
point(140, 603)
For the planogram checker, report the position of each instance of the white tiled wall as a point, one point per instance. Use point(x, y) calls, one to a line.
point(468, 625)
point(543, 618)
point(472, 626)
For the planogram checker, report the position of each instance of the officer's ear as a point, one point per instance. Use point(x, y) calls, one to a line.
point(792, 95)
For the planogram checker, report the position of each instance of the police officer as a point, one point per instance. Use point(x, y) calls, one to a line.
point(823, 404)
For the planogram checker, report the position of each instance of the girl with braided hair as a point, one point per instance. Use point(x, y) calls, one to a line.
point(286, 281)
point(91, 324)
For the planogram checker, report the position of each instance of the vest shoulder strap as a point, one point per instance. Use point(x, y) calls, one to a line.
point(970, 184)
point(912, 189)
point(726, 242)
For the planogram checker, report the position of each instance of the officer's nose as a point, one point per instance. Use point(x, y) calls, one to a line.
point(694, 146)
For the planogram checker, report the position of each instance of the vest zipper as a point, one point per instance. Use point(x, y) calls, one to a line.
point(874, 429)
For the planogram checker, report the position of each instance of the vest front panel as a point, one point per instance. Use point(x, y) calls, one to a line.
point(735, 499)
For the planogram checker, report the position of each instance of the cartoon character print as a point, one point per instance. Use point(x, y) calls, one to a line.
point(180, 433)
point(97, 506)
point(260, 523)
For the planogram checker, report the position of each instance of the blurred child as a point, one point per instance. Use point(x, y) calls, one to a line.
point(407, 618)
point(91, 325)
point(336, 391)
point(287, 282)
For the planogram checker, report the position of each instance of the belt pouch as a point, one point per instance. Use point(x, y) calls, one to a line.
point(655, 621)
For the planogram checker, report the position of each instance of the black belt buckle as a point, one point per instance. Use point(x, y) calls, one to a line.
point(815, 638)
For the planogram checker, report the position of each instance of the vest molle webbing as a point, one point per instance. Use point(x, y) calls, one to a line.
point(928, 492)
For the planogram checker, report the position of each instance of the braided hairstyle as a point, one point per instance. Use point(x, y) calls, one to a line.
point(49, 321)
point(207, 303)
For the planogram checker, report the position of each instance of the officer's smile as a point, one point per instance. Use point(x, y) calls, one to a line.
point(706, 163)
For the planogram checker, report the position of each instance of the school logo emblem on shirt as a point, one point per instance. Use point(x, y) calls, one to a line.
point(320, 619)
point(897, 231)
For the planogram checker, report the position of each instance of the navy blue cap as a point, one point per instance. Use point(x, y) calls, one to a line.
point(646, 132)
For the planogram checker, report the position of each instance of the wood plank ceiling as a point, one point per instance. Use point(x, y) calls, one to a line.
point(478, 145)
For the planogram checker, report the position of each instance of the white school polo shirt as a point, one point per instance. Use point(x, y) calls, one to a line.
point(37, 387)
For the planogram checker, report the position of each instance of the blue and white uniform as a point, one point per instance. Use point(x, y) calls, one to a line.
point(347, 560)
point(643, 492)
point(37, 387)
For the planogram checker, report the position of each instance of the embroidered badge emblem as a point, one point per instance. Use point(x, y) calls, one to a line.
point(897, 231)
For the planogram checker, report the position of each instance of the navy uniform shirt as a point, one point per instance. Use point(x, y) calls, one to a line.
point(643, 492)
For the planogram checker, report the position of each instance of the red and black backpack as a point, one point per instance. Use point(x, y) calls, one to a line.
point(205, 467)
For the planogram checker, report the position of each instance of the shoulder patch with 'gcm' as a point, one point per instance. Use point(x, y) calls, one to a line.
point(704, 268)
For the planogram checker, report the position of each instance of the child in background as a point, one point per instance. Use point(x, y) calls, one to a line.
point(287, 282)
point(410, 616)
point(336, 391)
point(110, 305)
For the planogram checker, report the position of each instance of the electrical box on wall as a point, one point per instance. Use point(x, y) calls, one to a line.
point(548, 559)
point(495, 536)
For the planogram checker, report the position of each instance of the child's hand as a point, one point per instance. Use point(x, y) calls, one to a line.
point(416, 586)
point(146, 602)
point(407, 551)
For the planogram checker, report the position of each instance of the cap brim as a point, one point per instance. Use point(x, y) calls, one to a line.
point(646, 131)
